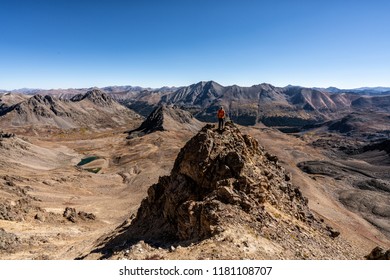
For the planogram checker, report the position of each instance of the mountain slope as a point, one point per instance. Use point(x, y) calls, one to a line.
point(22, 153)
point(93, 109)
point(377, 103)
point(290, 106)
point(7, 100)
point(197, 94)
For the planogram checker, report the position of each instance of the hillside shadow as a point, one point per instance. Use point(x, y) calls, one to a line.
point(126, 237)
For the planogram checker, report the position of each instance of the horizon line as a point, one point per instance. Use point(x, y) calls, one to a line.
point(174, 86)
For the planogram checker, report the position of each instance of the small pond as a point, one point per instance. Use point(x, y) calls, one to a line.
point(87, 160)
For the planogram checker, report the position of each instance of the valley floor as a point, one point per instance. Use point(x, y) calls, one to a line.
point(39, 179)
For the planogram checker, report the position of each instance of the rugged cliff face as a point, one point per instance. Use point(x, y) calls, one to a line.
point(214, 174)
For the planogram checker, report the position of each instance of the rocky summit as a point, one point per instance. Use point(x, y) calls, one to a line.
point(96, 96)
point(224, 183)
point(214, 172)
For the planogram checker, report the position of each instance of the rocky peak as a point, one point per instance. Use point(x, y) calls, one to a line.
point(154, 121)
point(96, 96)
point(36, 99)
point(195, 94)
point(39, 100)
point(215, 176)
point(165, 118)
point(38, 105)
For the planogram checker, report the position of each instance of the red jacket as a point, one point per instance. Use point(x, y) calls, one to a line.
point(221, 114)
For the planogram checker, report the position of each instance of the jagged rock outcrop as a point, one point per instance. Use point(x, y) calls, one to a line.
point(6, 135)
point(167, 118)
point(214, 176)
point(72, 215)
point(378, 253)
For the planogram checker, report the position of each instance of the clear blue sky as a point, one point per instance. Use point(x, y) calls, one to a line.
point(78, 43)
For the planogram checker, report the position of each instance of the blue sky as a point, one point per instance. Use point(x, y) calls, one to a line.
point(74, 43)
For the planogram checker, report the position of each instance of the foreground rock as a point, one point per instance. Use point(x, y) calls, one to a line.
point(213, 175)
point(225, 192)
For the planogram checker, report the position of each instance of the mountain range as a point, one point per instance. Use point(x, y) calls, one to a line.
point(362, 90)
point(128, 88)
point(94, 109)
point(289, 108)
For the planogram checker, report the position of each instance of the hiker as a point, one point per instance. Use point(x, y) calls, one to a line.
point(221, 118)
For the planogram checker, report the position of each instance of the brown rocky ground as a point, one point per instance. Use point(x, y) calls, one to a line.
point(39, 178)
point(324, 191)
point(226, 192)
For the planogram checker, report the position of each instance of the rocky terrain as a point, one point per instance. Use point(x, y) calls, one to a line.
point(74, 185)
point(9, 99)
point(57, 189)
point(94, 109)
point(226, 197)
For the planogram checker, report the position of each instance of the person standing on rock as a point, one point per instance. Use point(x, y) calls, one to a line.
point(221, 118)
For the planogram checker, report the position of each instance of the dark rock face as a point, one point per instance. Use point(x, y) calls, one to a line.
point(164, 118)
point(380, 146)
point(378, 254)
point(215, 174)
point(70, 214)
point(154, 122)
point(6, 135)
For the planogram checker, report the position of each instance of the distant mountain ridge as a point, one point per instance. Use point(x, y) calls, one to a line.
point(372, 91)
point(94, 109)
point(265, 103)
point(379, 90)
point(69, 91)
point(283, 107)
